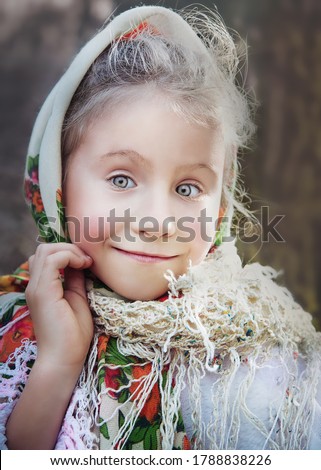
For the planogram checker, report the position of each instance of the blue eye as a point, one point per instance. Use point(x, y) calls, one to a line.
point(122, 182)
point(188, 190)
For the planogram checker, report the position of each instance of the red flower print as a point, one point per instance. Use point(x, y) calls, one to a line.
point(37, 201)
point(102, 345)
point(139, 29)
point(28, 190)
point(13, 338)
point(186, 443)
point(113, 381)
point(34, 175)
point(59, 195)
point(152, 405)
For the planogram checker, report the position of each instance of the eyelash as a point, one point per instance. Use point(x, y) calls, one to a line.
point(111, 180)
point(199, 189)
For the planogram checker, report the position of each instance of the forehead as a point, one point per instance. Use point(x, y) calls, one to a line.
point(150, 127)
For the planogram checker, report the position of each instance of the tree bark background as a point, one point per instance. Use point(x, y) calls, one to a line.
point(282, 170)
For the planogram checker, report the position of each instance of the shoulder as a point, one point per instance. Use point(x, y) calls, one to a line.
point(264, 398)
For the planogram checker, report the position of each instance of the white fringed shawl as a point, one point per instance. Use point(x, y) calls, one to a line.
point(222, 323)
point(218, 317)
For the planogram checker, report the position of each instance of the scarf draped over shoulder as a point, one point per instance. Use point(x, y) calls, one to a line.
point(219, 321)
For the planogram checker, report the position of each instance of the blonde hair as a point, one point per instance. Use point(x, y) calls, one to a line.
point(201, 87)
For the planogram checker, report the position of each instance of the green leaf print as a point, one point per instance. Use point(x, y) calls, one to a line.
point(150, 439)
point(104, 430)
point(121, 419)
point(138, 433)
point(123, 396)
point(180, 423)
point(113, 356)
point(32, 164)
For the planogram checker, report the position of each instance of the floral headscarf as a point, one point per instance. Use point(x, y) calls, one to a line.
point(43, 174)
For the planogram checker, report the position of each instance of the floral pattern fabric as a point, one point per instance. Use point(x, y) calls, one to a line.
point(115, 371)
point(34, 200)
point(15, 319)
point(121, 380)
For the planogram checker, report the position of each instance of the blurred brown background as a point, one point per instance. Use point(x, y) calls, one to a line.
point(282, 170)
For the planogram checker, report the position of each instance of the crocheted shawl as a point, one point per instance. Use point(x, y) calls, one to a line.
point(220, 321)
point(217, 320)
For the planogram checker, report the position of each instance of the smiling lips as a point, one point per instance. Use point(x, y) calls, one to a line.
point(144, 257)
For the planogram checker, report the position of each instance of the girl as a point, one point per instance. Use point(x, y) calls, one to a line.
point(139, 328)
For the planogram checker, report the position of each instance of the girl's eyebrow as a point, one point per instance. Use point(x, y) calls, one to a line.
point(199, 166)
point(130, 154)
point(142, 161)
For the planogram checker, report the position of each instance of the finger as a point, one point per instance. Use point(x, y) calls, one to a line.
point(45, 255)
point(62, 259)
point(30, 263)
point(74, 280)
point(48, 272)
point(45, 249)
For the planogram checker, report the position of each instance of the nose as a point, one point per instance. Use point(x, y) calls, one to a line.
point(158, 222)
point(154, 228)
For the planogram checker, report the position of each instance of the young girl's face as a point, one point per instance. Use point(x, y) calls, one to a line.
point(142, 195)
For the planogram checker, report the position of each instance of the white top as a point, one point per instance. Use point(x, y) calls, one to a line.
point(267, 389)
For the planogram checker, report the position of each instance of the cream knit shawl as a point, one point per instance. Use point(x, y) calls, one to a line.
point(218, 317)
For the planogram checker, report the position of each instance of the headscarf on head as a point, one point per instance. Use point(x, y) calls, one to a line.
point(217, 321)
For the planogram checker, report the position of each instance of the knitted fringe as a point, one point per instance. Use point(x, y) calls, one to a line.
point(219, 319)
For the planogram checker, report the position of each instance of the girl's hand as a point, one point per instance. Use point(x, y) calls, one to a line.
point(61, 316)
point(64, 329)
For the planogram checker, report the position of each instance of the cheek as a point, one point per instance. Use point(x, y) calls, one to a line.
point(87, 215)
point(204, 237)
point(94, 215)
point(92, 227)
point(202, 233)
point(204, 225)
point(92, 230)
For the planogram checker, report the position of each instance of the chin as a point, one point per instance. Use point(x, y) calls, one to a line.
point(135, 292)
point(143, 296)
point(133, 286)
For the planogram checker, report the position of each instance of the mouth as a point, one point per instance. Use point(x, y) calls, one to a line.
point(145, 257)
